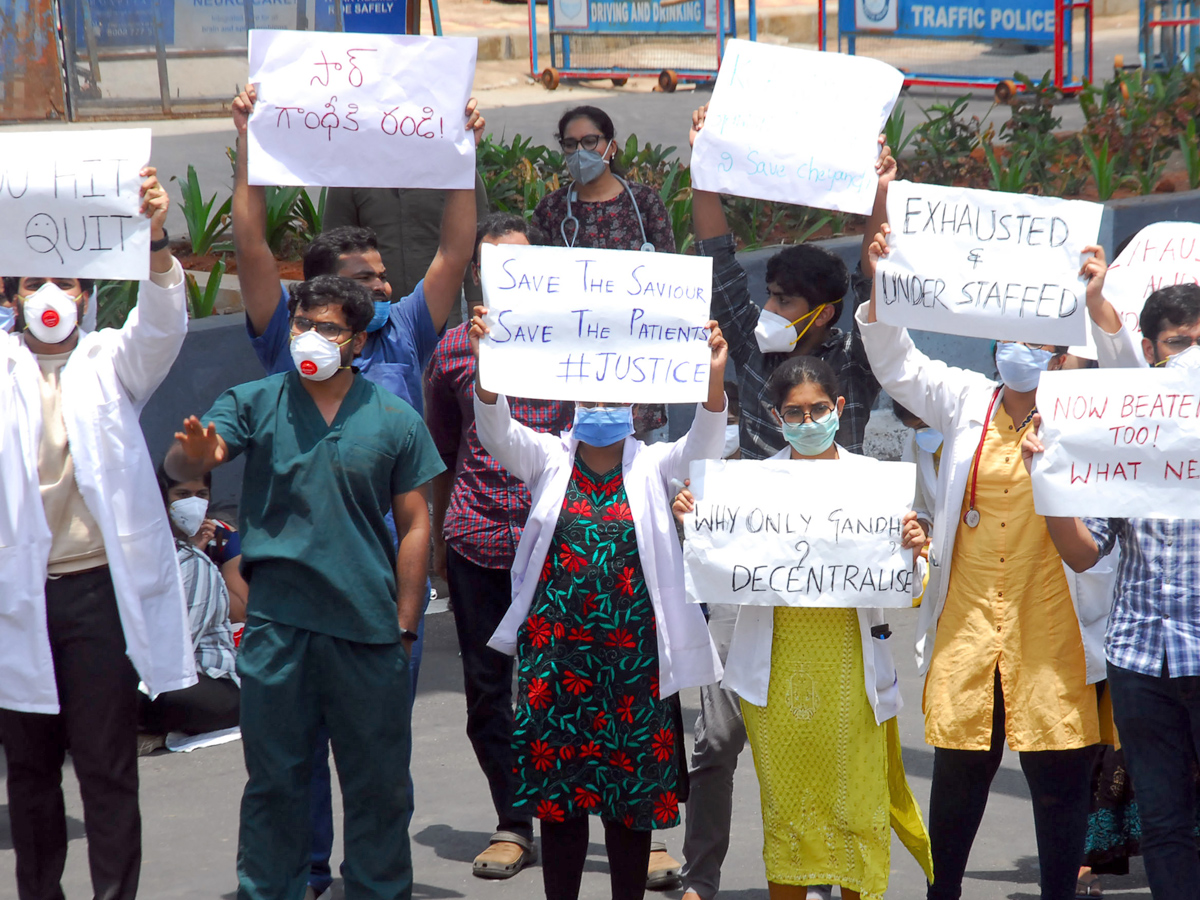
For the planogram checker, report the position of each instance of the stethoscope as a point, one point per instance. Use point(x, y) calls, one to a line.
point(571, 217)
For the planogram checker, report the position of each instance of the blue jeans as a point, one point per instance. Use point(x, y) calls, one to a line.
point(320, 876)
point(1158, 719)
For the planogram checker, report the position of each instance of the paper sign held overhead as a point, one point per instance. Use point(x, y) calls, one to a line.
point(596, 325)
point(795, 126)
point(1119, 442)
point(986, 264)
point(69, 203)
point(799, 533)
point(361, 110)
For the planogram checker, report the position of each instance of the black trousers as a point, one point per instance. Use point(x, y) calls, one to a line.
point(480, 597)
point(97, 694)
point(1060, 785)
point(564, 852)
point(211, 704)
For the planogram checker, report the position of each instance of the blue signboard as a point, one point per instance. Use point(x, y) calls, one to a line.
point(126, 23)
point(634, 16)
point(1025, 21)
point(364, 16)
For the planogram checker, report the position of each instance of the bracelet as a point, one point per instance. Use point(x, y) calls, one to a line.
point(161, 243)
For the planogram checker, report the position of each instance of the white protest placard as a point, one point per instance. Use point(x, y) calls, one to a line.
point(1160, 255)
point(1119, 442)
point(788, 533)
point(596, 325)
point(797, 126)
point(361, 110)
point(986, 264)
point(69, 204)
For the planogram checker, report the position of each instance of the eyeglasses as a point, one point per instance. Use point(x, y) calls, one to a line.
point(794, 415)
point(328, 330)
point(588, 142)
point(1179, 343)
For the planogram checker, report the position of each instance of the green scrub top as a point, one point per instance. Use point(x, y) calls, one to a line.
point(315, 545)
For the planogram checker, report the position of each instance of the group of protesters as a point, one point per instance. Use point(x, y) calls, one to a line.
point(371, 447)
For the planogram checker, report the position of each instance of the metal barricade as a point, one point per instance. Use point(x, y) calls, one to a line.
point(969, 43)
point(1169, 34)
point(673, 40)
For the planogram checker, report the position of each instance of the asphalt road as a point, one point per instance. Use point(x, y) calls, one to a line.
point(190, 813)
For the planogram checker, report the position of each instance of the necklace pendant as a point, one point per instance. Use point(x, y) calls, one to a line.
point(971, 519)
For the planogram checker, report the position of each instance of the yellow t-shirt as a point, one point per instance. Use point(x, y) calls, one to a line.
point(1008, 607)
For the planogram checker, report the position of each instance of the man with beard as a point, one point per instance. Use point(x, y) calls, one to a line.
point(333, 608)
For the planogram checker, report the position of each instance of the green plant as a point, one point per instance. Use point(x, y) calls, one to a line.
point(204, 226)
point(676, 194)
point(1011, 178)
point(1103, 166)
point(944, 139)
point(1191, 154)
point(114, 301)
point(893, 130)
point(310, 216)
point(201, 302)
point(281, 216)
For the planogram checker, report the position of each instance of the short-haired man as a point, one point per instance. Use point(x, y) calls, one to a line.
point(1153, 639)
point(333, 609)
point(90, 595)
point(805, 287)
point(477, 524)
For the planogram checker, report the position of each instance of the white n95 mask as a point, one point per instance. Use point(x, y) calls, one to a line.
point(188, 514)
point(51, 314)
point(317, 358)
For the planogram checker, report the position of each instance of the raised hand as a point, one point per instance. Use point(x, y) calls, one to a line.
point(718, 345)
point(683, 503)
point(478, 329)
point(878, 249)
point(886, 166)
point(243, 105)
point(155, 200)
point(201, 446)
point(1095, 268)
point(697, 123)
point(475, 121)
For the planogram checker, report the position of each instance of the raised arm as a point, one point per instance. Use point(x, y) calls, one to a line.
point(706, 438)
point(258, 272)
point(887, 169)
point(197, 451)
point(708, 217)
point(1115, 344)
point(444, 278)
point(146, 346)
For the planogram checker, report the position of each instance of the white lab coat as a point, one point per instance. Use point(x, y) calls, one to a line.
point(955, 402)
point(686, 655)
point(108, 379)
point(748, 665)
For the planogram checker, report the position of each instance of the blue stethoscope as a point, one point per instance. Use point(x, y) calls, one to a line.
point(572, 194)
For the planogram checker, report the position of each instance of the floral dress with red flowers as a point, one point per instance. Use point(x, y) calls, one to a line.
point(591, 734)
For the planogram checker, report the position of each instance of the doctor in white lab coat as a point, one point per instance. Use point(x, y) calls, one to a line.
point(92, 599)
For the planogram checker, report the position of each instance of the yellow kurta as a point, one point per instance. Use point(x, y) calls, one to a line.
point(1008, 607)
point(831, 780)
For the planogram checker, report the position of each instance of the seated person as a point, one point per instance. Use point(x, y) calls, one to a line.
point(213, 702)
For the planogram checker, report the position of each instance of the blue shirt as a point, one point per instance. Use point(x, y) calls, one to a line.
point(394, 357)
point(1155, 616)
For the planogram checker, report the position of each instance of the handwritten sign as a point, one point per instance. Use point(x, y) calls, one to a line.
point(784, 533)
point(986, 264)
point(600, 325)
point(798, 126)
point(1158, 256)
point(361, 110)
point(69, 203)
point(1119, 442)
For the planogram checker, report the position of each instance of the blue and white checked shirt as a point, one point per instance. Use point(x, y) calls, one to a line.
point(1156, 613)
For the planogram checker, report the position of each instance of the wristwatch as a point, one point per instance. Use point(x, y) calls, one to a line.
point(408, 634)
point(161, 243)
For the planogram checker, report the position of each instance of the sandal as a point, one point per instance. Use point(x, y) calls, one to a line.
point(1087, 887)
point(506, 855)
point(662, 873)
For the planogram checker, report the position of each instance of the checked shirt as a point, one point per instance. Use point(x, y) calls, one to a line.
point(737, 315)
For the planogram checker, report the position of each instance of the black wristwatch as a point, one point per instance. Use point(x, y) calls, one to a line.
point(408, 635)
point(161, 243)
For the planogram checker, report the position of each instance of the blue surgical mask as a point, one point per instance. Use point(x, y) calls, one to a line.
point(928, 439)
point(602, 425)
point(586, 165)
point(811, 438)
point(1021, 367)
point(383, 309)
point(8, 317)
